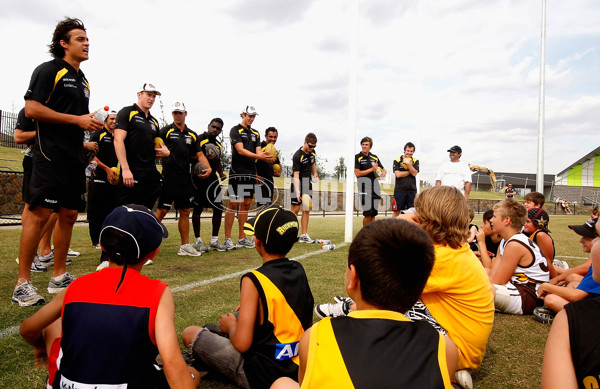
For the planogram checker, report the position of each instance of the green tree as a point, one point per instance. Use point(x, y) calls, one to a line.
point(339, 171)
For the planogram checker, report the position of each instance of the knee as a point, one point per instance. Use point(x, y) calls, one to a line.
point(69, 217)
point(188, 335)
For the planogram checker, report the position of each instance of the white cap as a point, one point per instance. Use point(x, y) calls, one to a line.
point(249, 110)
point(178, 106)
point(148, 87)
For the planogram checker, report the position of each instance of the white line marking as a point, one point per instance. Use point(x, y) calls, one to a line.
point(10, 331)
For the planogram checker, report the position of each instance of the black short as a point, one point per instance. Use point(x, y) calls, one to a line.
point(305, 188)
point(369, 204)
point(264, 196)
point(145, 191)
point(241, 186)
point(27, 169)
point(175, 192)
point(207, 194)
point(57, 185)
point(404, 200)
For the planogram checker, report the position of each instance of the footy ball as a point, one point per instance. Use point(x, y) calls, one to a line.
point(199, 168)
point(378, 172)
point(276, 167)
point(158, 143)
point(306, 202)
point(115, 180)
point(212, 151)
point(270, 149)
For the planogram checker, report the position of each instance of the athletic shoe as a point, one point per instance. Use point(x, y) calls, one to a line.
point(559, 263)
point(304, 238)
point(37, 266)
point(73, 253)
point(544, 315)
point(188, 249)
point(420, 312)
point(229, 244)
point(341, 308)
point(200, 247)
point(26, 296)
point(463, 379)
point(216, 246)
point(98, 247)
point(245, 243)
point(148, 262)
point(48, 259)
point(56, 285)
point(102, 265)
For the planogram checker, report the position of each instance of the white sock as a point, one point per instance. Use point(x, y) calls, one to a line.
point(198, 239)
point(214, 239)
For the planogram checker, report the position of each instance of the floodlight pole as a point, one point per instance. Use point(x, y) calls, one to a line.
point(540, 152)
point(352, 99)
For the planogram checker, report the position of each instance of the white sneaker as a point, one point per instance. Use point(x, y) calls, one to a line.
point(463, 379)
point(340, 308)
point(98, 247)
point(229, 244)
point(188, 249)
point(304, 238)
point(26, 296)
point(57, 284)
point(73, 253)
point(200, 247)
point(102, 265)
point(148, 262)
point(560, 263)
point(245, 243)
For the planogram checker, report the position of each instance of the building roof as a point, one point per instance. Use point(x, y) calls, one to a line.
point(589, 155)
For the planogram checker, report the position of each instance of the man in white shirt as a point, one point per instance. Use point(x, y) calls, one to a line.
point(455, 173)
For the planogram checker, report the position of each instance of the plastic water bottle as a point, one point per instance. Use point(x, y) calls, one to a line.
point(89, 169)
point(323, 241)
point(328, 247)
point(101, 114)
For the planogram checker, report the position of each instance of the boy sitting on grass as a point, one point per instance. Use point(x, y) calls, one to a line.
point(536, 227)
point(519, 268)
point(376, 346)
point(275, 309)
point(116, 321)
point(487, 240)
point(571, 356)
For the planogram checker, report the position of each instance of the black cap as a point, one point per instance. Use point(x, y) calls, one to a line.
point(276, 227)
point(539, 218)
point(455, 149)
point(588, 229)
point(131, 232)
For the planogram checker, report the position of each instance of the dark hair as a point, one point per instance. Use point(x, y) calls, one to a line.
point(393, 259)
point(488, 215)
point(535, 197)
point(62, 32)
point(367, 139)
point(310, 138)
point(218, 120)
point(270, 129)
point(409, 144)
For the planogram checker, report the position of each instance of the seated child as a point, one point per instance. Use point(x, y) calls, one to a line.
point(116, 321)
point(571, 356)
point(556, 297)
point(536, 227)
point(487, 240)
point(276, 306)
point(376, 346)
point(519, 268)
point(472, 232)
point(534, 200)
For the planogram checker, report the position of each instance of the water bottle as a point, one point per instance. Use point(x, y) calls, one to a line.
point(328, 247)
point(89, 169)
point(323, 241)
point(101, 114)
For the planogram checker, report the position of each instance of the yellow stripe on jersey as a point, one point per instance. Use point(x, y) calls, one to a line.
point(288, 328)
point(59, 75)
point(323, 354)
point(102, 136)
point(255, 132)
point(169, 132)
point(193, 135)
point(202, 143)
point(132, 114)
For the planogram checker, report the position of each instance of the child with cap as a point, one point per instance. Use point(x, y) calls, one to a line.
point(275, 309)
point(556, 297)
point(376, 346)
point(107, 328)
point(571, 356)
point(536, 227)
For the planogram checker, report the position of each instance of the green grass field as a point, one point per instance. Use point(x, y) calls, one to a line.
point(513, 358)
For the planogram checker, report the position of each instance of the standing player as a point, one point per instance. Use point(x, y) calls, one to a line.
point(304, 170)
point(58, 98)
point(176, 185)
point(245, 145)
point(366, 165)
point(102, 189)
point(207, 191)
point(266, 171)
point(135, 148)
point(406, 169)
point(455, 173)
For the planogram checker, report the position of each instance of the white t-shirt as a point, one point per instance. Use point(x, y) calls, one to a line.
point(454, 174)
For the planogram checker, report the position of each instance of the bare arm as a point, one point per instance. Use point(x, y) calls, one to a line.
point(241, 331)
point(580, 269)
point(558, 370)
point(38, 111)
point(513, 255)
point(119, 143)
point(484, 257)
point(258, 154)
point(568, 293)
point(544, 242)
point(467, 189)
point(303, 354)
point(296, 179)
point(23, 137)
point(176, 370)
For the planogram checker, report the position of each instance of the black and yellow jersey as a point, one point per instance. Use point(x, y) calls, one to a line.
point(183, 147)
point(250, 139)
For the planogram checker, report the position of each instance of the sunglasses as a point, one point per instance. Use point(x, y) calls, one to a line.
point(311, 146)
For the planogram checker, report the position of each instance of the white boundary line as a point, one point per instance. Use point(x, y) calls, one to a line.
point(10, 331)
point(566, 256)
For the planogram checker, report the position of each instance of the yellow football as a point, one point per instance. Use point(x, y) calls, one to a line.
point(158, 143)
point(276, 167)
point(306, 202)
point(270, 149)
point(115, 181)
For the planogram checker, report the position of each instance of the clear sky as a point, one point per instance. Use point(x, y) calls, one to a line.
point(436, 73)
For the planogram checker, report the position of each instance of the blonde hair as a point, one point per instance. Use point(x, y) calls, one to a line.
point(444, 215)
point(514, 210)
